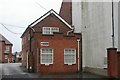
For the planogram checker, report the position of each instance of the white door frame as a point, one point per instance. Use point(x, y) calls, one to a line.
point(27, 60)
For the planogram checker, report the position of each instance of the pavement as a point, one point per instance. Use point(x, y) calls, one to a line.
point(73, 75)
point(14, 70)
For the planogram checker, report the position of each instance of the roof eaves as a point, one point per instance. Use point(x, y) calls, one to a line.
point(24, 32)
point(62, 19)
point(39, 19)
point(5, 40)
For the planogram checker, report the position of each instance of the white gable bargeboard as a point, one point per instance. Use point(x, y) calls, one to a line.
point(47, 14)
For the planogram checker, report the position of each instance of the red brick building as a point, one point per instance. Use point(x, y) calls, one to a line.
point(49, 45)
point(5, 50)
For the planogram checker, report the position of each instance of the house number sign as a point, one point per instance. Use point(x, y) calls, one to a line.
point(44, 43)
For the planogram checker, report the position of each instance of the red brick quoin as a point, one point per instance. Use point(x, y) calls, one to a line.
point(113, 63)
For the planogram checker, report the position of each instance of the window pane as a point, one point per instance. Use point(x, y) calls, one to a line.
point(46, 30)
point(50, 30)
point(47, 56)
point(6, 56)
point(69, 56)
point(7, 48)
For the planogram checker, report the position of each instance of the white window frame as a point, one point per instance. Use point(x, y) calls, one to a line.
point(7, 48)
point(6, 56)
point(66, 53)
point(50, 30)
point(54, 29)
point(46, 53)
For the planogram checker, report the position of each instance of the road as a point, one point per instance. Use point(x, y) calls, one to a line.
point(13, 70)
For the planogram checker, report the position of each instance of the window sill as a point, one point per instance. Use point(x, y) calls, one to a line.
point(46, 64)
point(69, 64)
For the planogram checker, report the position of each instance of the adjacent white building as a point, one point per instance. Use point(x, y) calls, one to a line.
point(94, 21)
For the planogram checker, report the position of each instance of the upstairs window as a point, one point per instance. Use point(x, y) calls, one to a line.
point(7, 49)
point(49, 30)
point(70, 56)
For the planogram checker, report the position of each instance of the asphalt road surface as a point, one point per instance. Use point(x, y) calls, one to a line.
point(13, 70)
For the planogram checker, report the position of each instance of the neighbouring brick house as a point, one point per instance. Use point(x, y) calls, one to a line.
point(49, 45)
point(5, 50)
point(17, 57)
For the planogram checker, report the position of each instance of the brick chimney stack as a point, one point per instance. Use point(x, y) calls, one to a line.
point(66, 11)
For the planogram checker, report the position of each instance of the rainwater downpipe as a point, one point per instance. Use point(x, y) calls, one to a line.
point(78, 41)
point(113, 34)
point(31, 67)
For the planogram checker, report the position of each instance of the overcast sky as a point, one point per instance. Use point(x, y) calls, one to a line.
point(16, 15)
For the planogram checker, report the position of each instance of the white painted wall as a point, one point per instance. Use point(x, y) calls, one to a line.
point(119, 26)
point(76, 16)
point(94, 21)
point(116, 24)
point(96, 27)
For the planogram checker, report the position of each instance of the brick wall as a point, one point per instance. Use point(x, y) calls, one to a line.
point(9, 54)
point(113, 63)
point(51, 21)
point(58, 42)
point(66, 11)
point(1, 50)
point(25, 48)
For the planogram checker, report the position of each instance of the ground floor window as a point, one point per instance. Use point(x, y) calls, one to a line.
point(69, 56)
point(46, 56)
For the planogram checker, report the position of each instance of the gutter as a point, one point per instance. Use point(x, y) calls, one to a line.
point(70, 31)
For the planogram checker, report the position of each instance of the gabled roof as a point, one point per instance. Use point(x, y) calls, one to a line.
point(2, 38)
point(47, 14)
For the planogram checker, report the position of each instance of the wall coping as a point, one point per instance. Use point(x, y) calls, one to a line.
point(118, 52)
point(111, 48)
